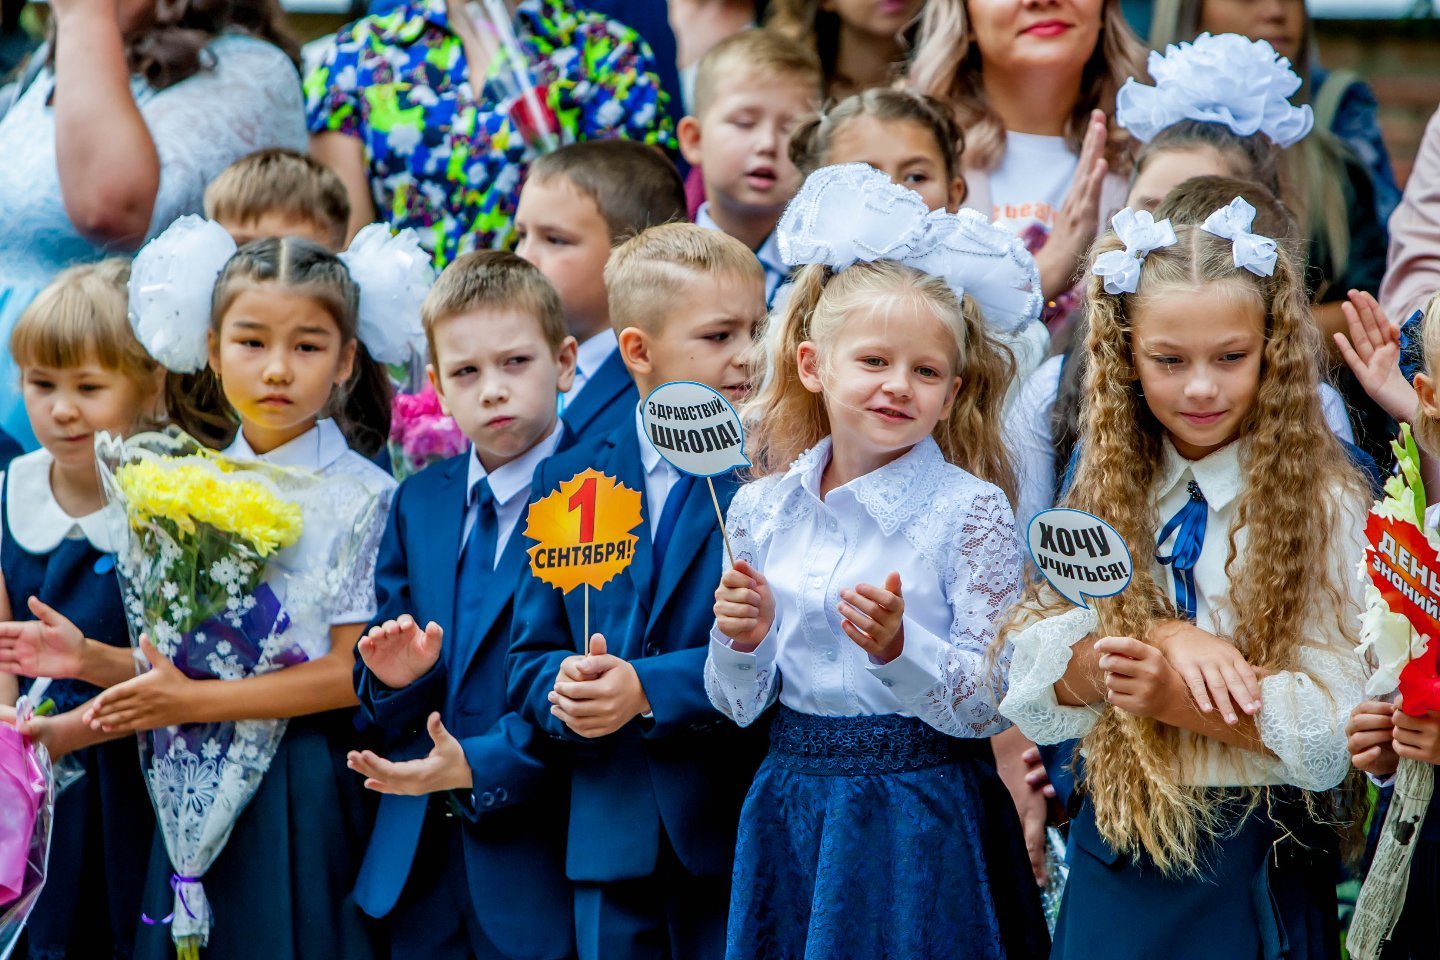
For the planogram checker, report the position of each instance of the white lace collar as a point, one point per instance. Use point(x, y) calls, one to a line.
point(315, 449)
point(892, 494)
point(36, 520)
point(1217, 474)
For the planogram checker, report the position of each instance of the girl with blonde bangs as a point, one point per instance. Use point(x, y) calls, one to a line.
point(1211, 693)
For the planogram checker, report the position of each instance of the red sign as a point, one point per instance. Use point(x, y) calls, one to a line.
point(1406, 570)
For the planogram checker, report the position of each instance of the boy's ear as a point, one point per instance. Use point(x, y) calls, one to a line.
point(565, 360)
point(434, 379)
point(807, 362)
point(1425, 390)
point(688, 133)
point(635, 350)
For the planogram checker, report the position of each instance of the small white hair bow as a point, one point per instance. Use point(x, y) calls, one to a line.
point(852, 212)
point(1227, 79)
point(1141, 235)
point(1250, 250)
point(172, 281)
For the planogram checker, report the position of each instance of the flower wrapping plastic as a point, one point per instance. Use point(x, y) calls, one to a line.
point(27, 809)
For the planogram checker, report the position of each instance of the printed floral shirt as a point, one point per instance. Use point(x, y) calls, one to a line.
point(449, 164)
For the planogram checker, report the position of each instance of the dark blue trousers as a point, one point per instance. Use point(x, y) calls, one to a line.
point(434, 919)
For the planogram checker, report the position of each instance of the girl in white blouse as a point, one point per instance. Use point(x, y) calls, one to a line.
point(868, 575)
point(1211, 695)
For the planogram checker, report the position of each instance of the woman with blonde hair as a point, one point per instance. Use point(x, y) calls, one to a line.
point(1034, 93)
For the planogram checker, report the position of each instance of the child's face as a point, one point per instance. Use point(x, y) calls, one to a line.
point(741, 143)
point(1166, 170)
point(279, 356)
point(1200, 379)
point(498, 378)
point(68, 406)
point(903, 150)
point(561, 231)
point(277, 225)
point(887, 378)
point(706, 335)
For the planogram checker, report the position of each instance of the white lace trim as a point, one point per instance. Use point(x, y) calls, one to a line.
point(1041, 655)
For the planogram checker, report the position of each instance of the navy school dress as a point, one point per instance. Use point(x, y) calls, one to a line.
point(1266, 891)
point(103, 823)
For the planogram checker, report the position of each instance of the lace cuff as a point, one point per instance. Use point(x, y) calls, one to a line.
point(741, 685)
point(1041, 655)
point(1302, 720)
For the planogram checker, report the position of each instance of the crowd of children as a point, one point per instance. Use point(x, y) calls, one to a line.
point(781, 731)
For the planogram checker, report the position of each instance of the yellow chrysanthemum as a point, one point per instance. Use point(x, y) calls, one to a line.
point(188, 491)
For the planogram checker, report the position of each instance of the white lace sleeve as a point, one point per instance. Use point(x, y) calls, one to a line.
point(370, 489)
point(1039, 659)
point(981, 580)
point(251, 99)
point(743, 685)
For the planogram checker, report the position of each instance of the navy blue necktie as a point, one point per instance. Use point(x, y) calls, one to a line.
point(674, 504)
point(1188, 526)
point(477, 559)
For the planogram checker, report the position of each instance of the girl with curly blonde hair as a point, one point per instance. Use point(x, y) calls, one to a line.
point(1211, 694)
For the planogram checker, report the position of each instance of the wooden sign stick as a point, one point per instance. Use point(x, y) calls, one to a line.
point(720, 516)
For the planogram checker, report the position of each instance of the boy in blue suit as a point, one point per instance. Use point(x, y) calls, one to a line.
point(577, 203)
point(466, 857)
point(657, 782)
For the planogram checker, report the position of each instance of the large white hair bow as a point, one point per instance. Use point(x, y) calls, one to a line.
point(172, 281)
point(852, 212)
point(1250, 250)
point(1227, 79)
point(1140, 233)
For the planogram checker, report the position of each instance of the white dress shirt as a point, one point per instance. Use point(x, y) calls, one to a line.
point(509, 486)
point(660, 477)
point(1303, 711)
point(952, 539)
point(590, 356)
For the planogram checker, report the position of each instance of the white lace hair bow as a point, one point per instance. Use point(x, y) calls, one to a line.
point(1250, 250)
point(1140, 233)
point(173, 279)
point(1226, 79)
point(852, 212)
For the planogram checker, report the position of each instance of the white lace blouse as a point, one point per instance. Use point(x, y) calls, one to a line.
point(1303, 712)
point(952, 539)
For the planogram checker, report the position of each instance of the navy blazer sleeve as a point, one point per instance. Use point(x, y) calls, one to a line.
point(674, 684)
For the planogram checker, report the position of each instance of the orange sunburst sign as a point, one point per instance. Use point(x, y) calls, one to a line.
point(582, 531)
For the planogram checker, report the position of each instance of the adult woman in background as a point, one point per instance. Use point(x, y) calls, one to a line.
point(117, 124)
point(861, 43)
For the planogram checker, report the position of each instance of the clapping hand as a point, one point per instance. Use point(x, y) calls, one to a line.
point(874, 618)
point(444, 768)
point(398, 652)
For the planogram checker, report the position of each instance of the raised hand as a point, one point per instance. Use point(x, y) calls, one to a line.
point(1372, 353)
point(874, 618)
point(443, 768)
point(49, 646)
point(1078, 219)
point(744, 606)
point(398, 652)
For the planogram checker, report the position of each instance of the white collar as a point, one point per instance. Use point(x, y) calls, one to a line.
point(1218, 474)
point(315, 449)
point(593, 353)
point(37, 521)
point(768, 253)
point(512, 479)
point(891, 495)
point(650, 458)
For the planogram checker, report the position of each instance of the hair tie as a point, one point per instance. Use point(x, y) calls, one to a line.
point(1141, 235)
point(851, 212)
point(1228, 79)
point(1250, 251)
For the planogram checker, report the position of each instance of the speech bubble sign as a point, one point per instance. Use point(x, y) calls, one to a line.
point(694, 428)
point(1079, 554)
point(582, 531)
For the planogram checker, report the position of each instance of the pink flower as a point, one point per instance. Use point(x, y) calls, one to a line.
point(421, 433)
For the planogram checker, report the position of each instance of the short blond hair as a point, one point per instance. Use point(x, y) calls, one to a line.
point(284, 182)
point(649, 270)
point(84, 312)
point(494, 280)
point(755, 52)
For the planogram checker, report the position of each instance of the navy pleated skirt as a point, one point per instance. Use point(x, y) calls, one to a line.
point(1266, 892)
point(878, 837)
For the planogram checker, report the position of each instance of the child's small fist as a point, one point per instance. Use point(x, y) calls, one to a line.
point(744, 606)
point(1417, 738)
point(1370, 735)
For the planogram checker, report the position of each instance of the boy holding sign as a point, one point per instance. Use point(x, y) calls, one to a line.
point(464, 860)
point(656, 792)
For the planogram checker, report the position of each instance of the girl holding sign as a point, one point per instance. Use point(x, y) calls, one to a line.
point(877, 825)
point(1212, 693)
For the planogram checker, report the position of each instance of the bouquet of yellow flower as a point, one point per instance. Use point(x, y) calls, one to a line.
point(207, 568)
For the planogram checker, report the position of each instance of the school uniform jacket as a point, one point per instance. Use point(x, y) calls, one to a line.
point(607, 401)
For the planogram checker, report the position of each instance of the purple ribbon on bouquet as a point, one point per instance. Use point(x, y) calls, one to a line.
point(175, 883)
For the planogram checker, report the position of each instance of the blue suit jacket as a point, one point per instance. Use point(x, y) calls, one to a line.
point(686, 770)
point(608, 401)
point(512, 842)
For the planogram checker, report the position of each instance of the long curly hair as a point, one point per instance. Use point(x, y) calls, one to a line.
point(947, 65)
point(784, 419)
point(1132, 766)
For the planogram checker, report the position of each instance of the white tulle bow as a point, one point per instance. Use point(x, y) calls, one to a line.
point(1140, 233)
point(393, 274)
point(1250, 251)
point(1227, 79)
point(171, 282)
point(852, 212)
